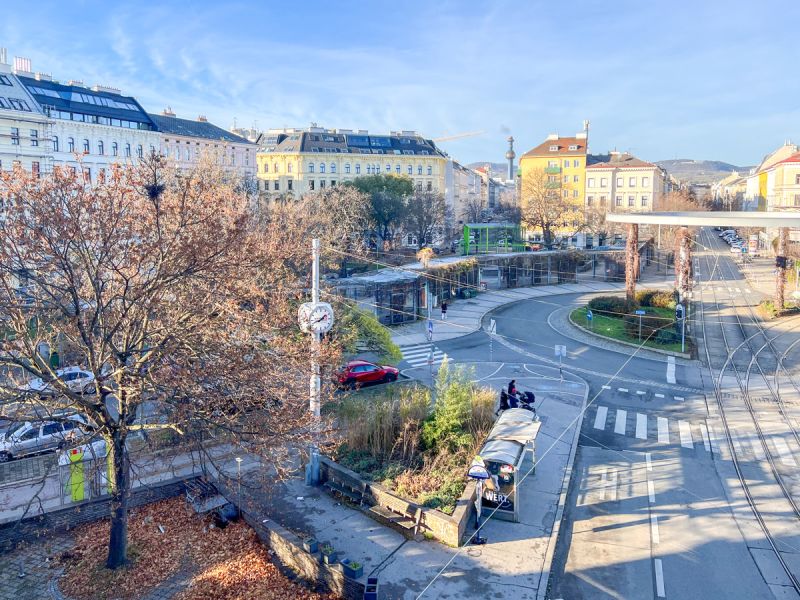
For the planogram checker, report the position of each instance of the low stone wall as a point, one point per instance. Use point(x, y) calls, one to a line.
point(448, 529)
point(84, 512)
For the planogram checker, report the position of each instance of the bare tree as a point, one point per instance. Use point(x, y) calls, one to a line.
point(168, 290)
point(545, 208)
point(475, 210)
point(425, 213)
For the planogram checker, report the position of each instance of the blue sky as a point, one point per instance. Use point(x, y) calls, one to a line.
point(702, 79)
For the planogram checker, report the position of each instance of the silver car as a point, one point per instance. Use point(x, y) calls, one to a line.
point(25, 438)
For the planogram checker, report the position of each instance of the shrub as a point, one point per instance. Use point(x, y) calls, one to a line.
point(667, 336)
point(651, 326)
point(644, 297)
point(452, 412)
point(664, 300)
point(612, 305)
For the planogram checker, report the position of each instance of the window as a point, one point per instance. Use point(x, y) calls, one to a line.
point(410, 170)
point(321, 167)
point(101, 148)
point(397, 169)
point(35, 169)
point(358, 168)
point(618, 201)
point(86, 146)
point(575, 178)
point(590, 182)
point(419, 169)
point(289, 185)
point(311, 184)
point(333, 183)
point(575, 162)
point(575, 193)
point(333, 167)
point(602, 200)
point(87, 175)
point(566, 163)
point(321, 183)
point(603, 182)
point(388, 168)
point(645, 181)
point(71, 145)
point(34, 137)
point(15, 136)
point(419, 186)
point(797, 198)
point(566, 178)
point(430, 186)
point(101, 175)
point(128, 150)
point(552, 179)
point(275, 168)
point(288, 167)
point(187, 154)
point(55, 143)
point(573, 147)
point(277, 185)
point(797, 179)
point(554, 148)
point(310, 167)
point(31, 434)
point(645, 201)
point(565, 193)
point(347, 168)
point(114, 149)
point(589, 200)
point(430, 170)
point(4, 80)
point(632, 181)
point(631, 200)
point(620, 181)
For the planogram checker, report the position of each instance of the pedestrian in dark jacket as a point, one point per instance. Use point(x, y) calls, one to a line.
point(444, 311)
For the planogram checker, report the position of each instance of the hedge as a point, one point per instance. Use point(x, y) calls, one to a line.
point(611, 305)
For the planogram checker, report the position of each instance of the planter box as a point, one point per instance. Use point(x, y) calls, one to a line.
point(371, 591)
point(311, 545)
point(352, 572)
point(330, 559)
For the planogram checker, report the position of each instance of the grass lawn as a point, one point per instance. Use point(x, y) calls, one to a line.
point(613, 327)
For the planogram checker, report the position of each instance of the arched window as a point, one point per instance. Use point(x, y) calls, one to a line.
point(101, 150)
point(275, 168)
point(388, 168)
point(288, 167)
point(333, 167)
point(188, 153)
point(55, 143)
point(114, 149)
point(71, 145)
point(266, 167)
point(310, 167)
point(358, 168)
point(139, 151)
point(86, 146)
point(430, 170)
point(410, 170)
point(321, 167)
point(397, 169)
point(347, 168)
point(128, 150)
point(419, 169)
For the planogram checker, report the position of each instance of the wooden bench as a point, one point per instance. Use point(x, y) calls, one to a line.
point(343, 485)
point(395, 511)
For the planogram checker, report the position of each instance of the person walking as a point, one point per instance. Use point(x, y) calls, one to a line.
point(444, 311)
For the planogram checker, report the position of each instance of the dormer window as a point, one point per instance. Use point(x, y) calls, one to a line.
point(573, 147)
point(554, 148)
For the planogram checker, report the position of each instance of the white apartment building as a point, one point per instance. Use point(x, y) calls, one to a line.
point(624, 183)
point(463, 192)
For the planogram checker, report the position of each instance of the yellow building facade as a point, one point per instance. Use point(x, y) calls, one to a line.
point(292, 162)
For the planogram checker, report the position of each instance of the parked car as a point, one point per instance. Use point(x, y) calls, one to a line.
point(357, 373)
point(75, 378)
point(727, 231)
point(736, 248)
point(25, 438)
point(532, 247)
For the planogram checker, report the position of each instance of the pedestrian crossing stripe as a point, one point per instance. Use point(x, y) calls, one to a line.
point(417, 355)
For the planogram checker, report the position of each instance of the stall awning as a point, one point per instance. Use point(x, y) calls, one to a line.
point(511, 432)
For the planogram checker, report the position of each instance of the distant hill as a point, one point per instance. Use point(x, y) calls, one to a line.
point(700, 171)
point(498, 169)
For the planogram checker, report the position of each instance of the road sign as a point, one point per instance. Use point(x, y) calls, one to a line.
point(679, 311)
point(641, 312)
point(589, 315)
point(560, 350)
point(744, 249)
point(492, 326)
point(430, 326)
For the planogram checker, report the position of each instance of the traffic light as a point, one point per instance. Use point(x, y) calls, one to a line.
point(679, 312)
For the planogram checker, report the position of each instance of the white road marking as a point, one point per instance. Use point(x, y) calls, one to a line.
point(659, 395)
point(641, 426)
point(600, 417)
point(758, 449)
point(686, 434)
point(679, 398)
point(706, 440)
point(647, 460)
point(606, 387)
point(659, 579)
point(712, 437)
point(663, 431)
point(783, 452)
point(654, 528)
point(621, 422)
point(622, 389)
point(612, 485)
point(640, 392)
point(603, 483)
point(737, 446)
point(651, 491)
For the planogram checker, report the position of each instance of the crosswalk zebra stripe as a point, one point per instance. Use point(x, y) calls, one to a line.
point(686, 434)
point(706, 440)
point(758, 449)
point(641, 426)
point(600, 417)
point(784, 452)
point(621, 422)
point(611, 486)
point(663, 431)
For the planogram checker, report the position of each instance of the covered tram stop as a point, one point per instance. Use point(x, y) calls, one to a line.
point(498, 467)
point(781, 221)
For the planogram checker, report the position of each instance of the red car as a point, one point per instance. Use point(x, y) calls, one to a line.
point(360, 372)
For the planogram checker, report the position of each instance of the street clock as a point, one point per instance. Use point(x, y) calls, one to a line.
point(315, 317)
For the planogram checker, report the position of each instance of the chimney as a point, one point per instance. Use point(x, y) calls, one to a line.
point(22, 66)
point(75, 82)
point(106, 88)
point(202, 119)
point(44, 77)
point(552, 136)
point(167, 112)
point(3, 56)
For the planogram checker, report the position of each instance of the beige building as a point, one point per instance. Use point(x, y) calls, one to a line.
point(760, 182)
point(292, 162)
point(463, 195)
point(729, 192)
point(624, 183)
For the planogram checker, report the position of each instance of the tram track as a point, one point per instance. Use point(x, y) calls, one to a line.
point(744, 386)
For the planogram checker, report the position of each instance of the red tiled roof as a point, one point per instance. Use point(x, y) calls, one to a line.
point(794, 158)
point(562, 144)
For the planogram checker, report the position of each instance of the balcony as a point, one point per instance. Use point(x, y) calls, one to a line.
point(552, 185)
point(552, 170)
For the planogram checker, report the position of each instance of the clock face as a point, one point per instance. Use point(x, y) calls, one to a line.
point(316, 318)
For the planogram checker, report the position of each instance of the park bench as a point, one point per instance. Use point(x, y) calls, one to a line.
point(343, 485)
point(396, 511)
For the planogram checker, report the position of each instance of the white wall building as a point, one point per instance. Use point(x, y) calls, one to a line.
point(462, 194)
point(625, 183)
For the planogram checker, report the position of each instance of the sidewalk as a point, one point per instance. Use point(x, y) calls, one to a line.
point(515, 563)
point(464, 316)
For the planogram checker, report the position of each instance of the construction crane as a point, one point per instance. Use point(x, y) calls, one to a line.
point(458, 136)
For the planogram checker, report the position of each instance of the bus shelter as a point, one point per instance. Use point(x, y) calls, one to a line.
point(503, 454)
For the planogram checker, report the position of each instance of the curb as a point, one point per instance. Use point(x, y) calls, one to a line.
point(630, 344)
point(544, 579)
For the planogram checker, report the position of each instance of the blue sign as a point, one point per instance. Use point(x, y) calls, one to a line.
point(641, 312)
point(589, 315)
point(430, 326)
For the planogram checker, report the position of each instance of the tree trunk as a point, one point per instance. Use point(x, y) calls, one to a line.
point(780, 278)
point(120, 483)
point(630, 262)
